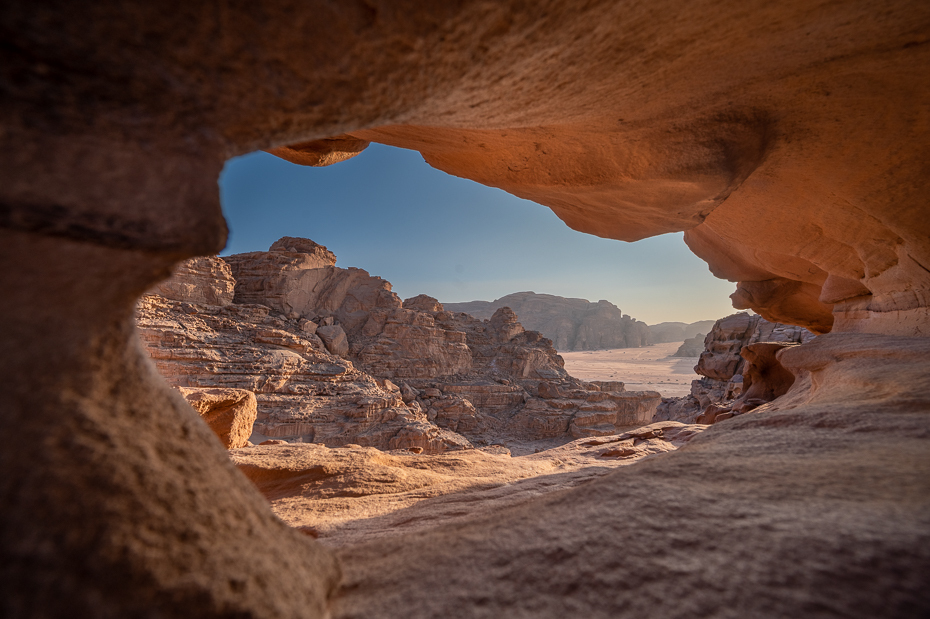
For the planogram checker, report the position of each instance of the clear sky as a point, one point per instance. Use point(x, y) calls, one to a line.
point(388, 212)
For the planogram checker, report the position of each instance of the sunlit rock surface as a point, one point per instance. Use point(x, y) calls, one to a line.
point(461, 380)
point(230, 413)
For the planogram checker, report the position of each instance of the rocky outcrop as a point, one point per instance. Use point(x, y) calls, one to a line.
point(721, 358)
point(788, 140)
point(460, 379)
point(571, 324)
point(207, 280)
point(739, 346)
point(692, 347)
point(766, 498)
point(679, 331)
point(303, 391)
point(230, 413)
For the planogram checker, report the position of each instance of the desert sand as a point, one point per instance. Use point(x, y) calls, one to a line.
point(650, 368)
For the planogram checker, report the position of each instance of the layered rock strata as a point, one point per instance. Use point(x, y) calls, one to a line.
point(725, 369)
point(303, 391)
point(443, 379)
point(571, 324)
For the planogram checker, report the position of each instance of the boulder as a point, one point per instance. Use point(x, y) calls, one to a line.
point(230, 413)
point(335, 340)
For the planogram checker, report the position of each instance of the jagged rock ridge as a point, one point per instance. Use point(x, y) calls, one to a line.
point(679, 331)
point(571, 324)
point(335, 357)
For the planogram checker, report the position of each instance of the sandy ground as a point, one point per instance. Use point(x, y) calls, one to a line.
point(652, 368)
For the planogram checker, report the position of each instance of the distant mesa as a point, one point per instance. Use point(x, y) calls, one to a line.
point(571, 324)
point(691, 347)
point(679, 331)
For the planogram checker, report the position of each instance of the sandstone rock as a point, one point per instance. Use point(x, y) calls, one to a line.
point(361, 494)
point(722, 365)
point(307, 283)
point(204, 280)
point(692, 347)
point(764, 378)
point(298, 245)
point(303, 391)
point(787, 140)
point(423, 303)
point(410, 344)
point(321, 152)
point(335, 340)
point(230, 413)
point(721, 358)
point(571, 324)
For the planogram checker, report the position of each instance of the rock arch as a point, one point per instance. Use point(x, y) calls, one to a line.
point(789, 141)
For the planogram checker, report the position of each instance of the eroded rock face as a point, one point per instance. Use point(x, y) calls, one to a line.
point(757, 467)
point(206, 279)
point(303, 391)
point(230, 413)
point(461, 379)
point(721, 358)
point(571, 324)
point(725, 363)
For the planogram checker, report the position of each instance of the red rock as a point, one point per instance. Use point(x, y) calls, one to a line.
point(230, 413)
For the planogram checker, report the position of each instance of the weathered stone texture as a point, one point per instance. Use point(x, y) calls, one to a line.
point(571, 324)
point(230, 413)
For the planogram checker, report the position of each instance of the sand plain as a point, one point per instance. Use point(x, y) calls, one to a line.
point(650, 368)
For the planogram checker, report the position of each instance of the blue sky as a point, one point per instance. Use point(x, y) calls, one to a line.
point(388, 212)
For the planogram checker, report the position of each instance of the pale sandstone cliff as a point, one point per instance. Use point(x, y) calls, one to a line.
point(571, 324)
point(787, 138)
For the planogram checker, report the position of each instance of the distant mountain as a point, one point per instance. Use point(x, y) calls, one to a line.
point(679, 331)
point(571, 324)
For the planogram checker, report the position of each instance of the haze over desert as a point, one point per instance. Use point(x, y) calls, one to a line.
point(651, 368)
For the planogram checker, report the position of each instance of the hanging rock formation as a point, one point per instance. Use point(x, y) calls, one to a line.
point(571, 324)
point(789, 140)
